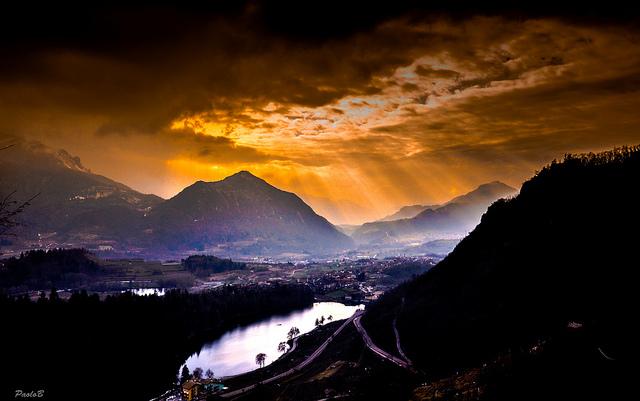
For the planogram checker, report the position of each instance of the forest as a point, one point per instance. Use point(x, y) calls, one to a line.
point(553, 265)
point(204, 265)
point(88, 348)
point(40, 269)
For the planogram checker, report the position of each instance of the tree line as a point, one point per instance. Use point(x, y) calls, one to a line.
point(204, 265)
point(124, 346)
point(44, 269)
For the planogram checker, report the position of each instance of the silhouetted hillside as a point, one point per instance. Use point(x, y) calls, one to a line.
point(560, 256)
point(123, 347)
point(407, 212)
point(245, 213)
point(241, 214)
point(73, 205)
point(59, 268)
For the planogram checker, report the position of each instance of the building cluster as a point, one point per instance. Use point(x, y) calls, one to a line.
point(350, 281)
point(355, 281)
point(196, 389)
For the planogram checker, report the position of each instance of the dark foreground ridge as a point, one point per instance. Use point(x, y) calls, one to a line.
point(125, 347)
point(553, 265)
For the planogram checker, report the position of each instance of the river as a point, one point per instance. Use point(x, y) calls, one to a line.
point(235, 352)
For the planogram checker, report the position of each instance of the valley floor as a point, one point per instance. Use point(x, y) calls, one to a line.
point(332, 361)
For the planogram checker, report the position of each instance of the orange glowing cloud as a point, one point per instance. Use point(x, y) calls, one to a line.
point(407, 112)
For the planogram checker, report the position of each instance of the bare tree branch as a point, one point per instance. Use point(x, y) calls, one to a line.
point(9, 209)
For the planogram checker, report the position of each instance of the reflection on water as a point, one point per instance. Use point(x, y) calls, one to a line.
point(147, 291)
point(236, 350)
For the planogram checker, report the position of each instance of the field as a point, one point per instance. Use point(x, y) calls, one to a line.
point(136, 273)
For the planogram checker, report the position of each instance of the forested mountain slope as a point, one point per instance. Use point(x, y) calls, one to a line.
point(561, 254)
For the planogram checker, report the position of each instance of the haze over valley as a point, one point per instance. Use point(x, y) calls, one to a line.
point(239, 216)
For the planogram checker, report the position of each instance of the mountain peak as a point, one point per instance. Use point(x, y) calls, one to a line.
point(497, 183)
point(243, 177)
point(486, 192)
point(245, 211)
point(69, 161)
point(36, 153)
point(494, 187)
point(242, 174)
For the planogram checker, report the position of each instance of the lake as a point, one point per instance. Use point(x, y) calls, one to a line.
point(235, 352)
point(147, 291)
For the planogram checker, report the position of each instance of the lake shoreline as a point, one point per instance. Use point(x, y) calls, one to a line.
point(148, 337)
point(233, 353)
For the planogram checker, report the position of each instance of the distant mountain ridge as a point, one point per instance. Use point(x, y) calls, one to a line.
point(407, 212)
point(241, 213)
point(458, 216)
point(71, 204)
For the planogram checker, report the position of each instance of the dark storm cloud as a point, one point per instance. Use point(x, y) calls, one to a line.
point(138, 66)
point(430, 72)
point(214, 149)
point(223, 67)
point(126, 26)
point(217, 68)
point(534, 124)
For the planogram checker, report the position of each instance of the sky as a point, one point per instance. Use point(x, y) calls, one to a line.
point(358, 108)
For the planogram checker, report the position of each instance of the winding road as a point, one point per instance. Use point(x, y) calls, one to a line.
point(355, 318)
point(377, 350)
point(400, 351)
point(301, 365)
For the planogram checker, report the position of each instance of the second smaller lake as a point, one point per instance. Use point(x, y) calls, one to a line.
point(235, 352)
